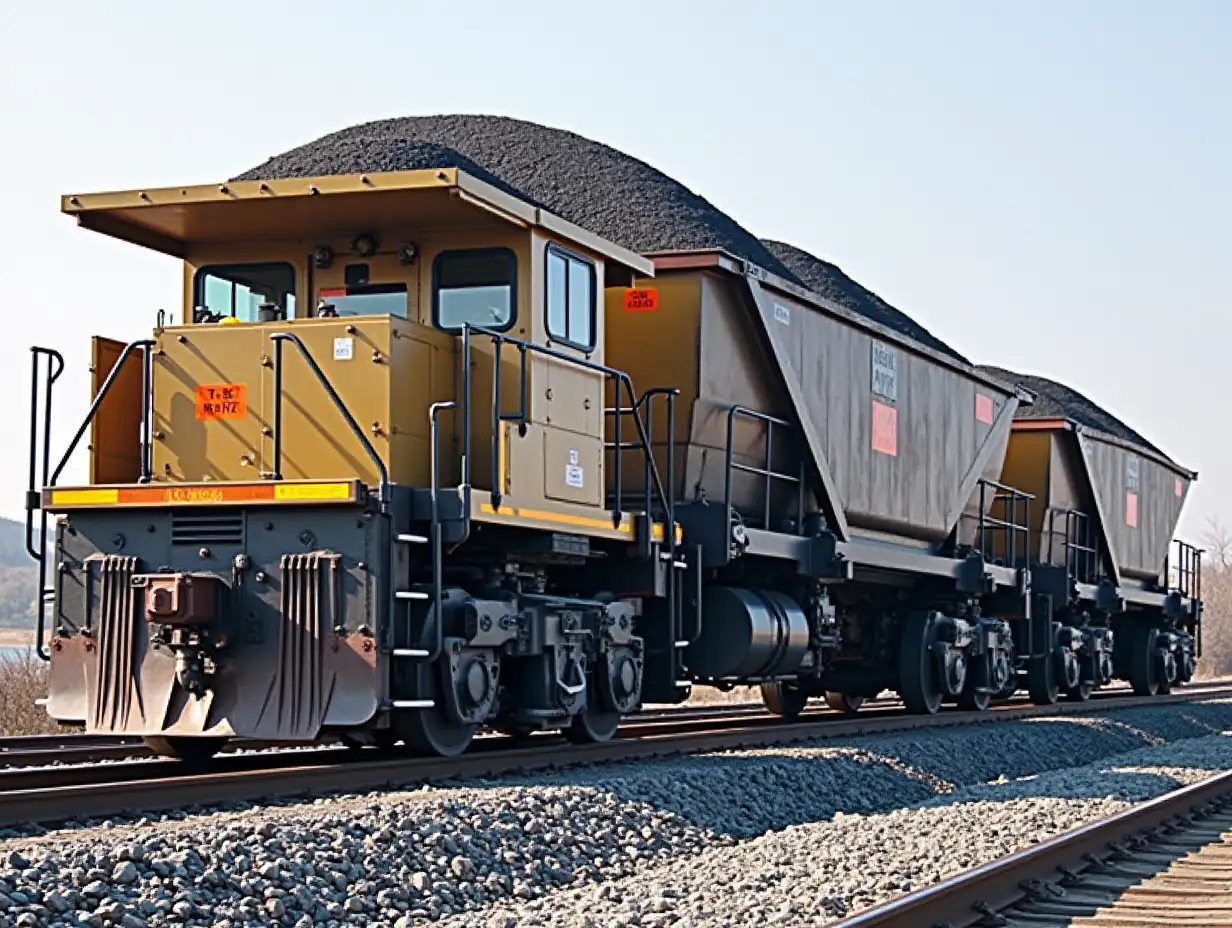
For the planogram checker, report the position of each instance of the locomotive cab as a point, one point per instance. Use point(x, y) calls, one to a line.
point(336, 496)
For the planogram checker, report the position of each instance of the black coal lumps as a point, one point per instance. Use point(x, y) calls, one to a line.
point(1056, 401)
point(592, 185)
point(828, 281)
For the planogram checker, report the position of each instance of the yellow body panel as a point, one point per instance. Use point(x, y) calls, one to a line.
point(213, 384)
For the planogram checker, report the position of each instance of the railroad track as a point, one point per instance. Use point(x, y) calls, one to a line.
point(54, 795)
point(1167, 861)
point(70, 748)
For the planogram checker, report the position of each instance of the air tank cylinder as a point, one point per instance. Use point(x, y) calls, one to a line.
point(748, 634)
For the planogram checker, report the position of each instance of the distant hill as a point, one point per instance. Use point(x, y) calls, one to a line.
point(18, 577)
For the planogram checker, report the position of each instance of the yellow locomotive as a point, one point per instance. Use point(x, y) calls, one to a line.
point(390, 478)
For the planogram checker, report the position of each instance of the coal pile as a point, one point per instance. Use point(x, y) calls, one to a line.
point(828, 281)
point(592, 185)
point(1056, 401)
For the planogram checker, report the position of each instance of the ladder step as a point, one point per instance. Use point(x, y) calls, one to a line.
point(414, 704)
point(411, 594)
point(412, 539)
point(682, 644)
point(666, 556)
point(408, 652)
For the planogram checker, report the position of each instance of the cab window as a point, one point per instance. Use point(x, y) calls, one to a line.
point(238, 290)
point(570, 303)
point(363, 300)
point(477, 287)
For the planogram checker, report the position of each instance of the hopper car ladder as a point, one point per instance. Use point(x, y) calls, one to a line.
point(1006, 537)
point(1187, 562)
point(1079, 546)
point(769, 476)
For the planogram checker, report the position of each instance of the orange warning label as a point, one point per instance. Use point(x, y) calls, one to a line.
point(1131, 510)
point(222, 400)
point(644, 300)
point(885, 429)
point(983, 408)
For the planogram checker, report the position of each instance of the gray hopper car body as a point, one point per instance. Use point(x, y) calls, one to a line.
point(895, 437)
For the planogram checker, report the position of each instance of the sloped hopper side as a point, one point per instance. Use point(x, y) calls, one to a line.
point(1140, 497)
point(900, 438)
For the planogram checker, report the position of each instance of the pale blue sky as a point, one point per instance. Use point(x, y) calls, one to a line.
point(1043, 185)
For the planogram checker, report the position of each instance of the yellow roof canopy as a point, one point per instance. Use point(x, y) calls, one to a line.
point(170, 219)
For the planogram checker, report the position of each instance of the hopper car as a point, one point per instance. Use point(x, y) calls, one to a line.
point(417, 456)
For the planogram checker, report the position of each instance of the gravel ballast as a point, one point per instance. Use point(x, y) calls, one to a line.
point(816, 873)
point(513, 848)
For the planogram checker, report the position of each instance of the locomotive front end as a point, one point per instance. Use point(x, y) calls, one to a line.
point(194, 614)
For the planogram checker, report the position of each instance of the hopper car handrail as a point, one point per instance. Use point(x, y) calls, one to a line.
point(768, 472)
point(499, 340)
point(54, 368)
point(647, 401)
point(1081, 551)
point(1188, 568)
point(1009, 497)
point(278, 338)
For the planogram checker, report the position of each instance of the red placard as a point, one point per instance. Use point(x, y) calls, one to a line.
point(983, 408)
point(1131, 510)
point(885, 429)
point(1179, 488)
point(222, 400)
point(641, 300)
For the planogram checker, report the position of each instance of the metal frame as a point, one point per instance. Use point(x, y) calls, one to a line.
point(768, 473)
point(1008, 527)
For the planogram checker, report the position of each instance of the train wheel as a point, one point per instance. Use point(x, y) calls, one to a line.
point(971, 701)
point(593, 726)
point(1143, 666)
point(189, 750)
point(918, 684)
point(785, 699)
point(1042, 685)
point(428, 731)
point(844, 702)
point(1079, 693)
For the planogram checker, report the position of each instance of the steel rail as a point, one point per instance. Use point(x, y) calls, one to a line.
point(59, 794)
point(979, 896)
point(77, 749)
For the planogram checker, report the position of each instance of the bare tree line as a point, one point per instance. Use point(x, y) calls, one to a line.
point(1216, 660)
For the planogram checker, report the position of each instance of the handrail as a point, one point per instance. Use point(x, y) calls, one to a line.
point(621, 379)
point(436, 539)
point(145, 345)
point(1009, 497)
point(730, 466)
point(278, 338)
point(55, 367)
point(32, 498)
